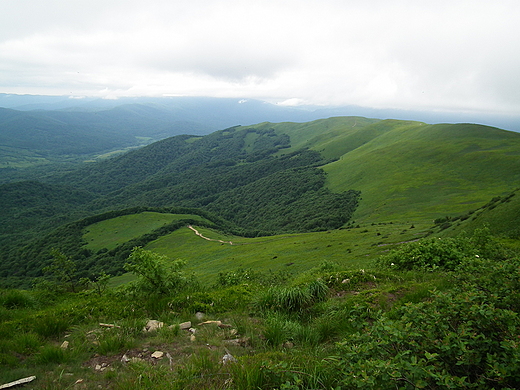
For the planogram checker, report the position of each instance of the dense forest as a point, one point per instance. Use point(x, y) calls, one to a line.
point(243, 177)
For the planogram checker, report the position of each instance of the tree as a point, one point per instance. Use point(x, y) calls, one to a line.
point(62, 271)
point(156, 273)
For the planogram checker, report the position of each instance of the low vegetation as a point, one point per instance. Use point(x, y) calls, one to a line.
point(411, 321)
point(337, 254)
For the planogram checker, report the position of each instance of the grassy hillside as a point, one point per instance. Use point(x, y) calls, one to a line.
point(501, 215)
point(266, 179)
point(113, 232)
point(414, 170)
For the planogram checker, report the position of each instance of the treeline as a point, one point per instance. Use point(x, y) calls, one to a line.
point(20, 265)
point(293, 200)
point(241, 177)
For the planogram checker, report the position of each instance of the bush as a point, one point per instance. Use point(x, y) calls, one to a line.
point(428, 254)
point(453, 341)
point(297, 299)
point(157, 275)
point(16, 299)
point(443, 253)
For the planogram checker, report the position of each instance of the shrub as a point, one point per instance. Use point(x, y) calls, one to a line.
point(297, 299)
point(16, 299)
point(156, 274)
point(453, 341)
point(50, 325)
point(428, 254)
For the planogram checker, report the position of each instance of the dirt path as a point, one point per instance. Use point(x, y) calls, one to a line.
point(209, 239)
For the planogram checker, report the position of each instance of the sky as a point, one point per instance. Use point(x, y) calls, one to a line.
point(438, 55)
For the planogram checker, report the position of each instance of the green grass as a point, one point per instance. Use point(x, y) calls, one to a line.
point(500, 215)
point(414, 170)
point(351, 248)
point(112, 232)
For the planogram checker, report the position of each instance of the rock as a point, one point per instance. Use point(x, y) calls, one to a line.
point(199, 316)
point(241, 342)
point(192, 337)
point(157, 354)
point(234, 342)
point(64, 345)
point(224, 326)
point(152, 326)
point(18, 382)
point(98, 367)
point(288, 345)
point(211, 322)
point(228, 358)
point(125, 359)
point(192, 330)
point(185, 325)
point(233, 332)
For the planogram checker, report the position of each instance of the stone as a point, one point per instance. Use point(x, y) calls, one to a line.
point(199, 316)
point(158, 354)
point(218, 323)
point(153, 325)
point(192, 337)
point(64, 345)
point(228, 358)
point(185, 325)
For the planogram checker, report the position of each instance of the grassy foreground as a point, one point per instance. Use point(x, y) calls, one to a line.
point(436, 313)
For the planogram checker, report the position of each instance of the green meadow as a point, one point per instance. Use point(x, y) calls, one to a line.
point(113, 232)
point(293, 253)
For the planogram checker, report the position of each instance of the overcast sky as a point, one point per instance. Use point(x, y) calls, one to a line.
point(410, 54)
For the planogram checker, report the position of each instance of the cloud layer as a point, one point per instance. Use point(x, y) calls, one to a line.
point(442, 55)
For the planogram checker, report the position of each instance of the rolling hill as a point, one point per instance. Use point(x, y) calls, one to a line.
point(279, 178)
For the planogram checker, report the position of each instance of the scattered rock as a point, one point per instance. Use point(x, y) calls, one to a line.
point(192, 330)
point(199, 316)
point(288, 345)
point(228, 358)
point(157, 354)
point(153, 325)
point(192, 337)
point(64, 345)
point(185, 325)
point(125, 359)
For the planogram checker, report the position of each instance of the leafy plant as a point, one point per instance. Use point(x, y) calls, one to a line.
point(156, 274)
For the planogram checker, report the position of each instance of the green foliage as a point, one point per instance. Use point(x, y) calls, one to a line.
point(16, 299)
point(157, 275)
point(297, 299)
point(51, 354)
point(62, 271)
point(429, 254)
point(452, 341)
point(50, 325)
point(443, 253)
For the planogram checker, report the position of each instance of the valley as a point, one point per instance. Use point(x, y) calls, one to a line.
point(340, 253)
